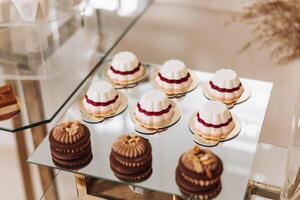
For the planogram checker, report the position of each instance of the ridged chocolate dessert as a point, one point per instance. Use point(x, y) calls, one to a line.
point(131, 158)
point(198, 174)
point(70, 145)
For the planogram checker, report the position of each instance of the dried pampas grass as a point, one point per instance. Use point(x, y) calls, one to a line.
point(276, 25)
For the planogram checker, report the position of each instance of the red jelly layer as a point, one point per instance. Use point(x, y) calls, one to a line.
point(126, 72)
point(201, 121)
point(213, 86)
point(89, 101)
point(173, 81)
point(159, 113)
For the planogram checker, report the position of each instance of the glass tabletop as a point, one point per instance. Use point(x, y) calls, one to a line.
point(237, 154)
point(75, 48)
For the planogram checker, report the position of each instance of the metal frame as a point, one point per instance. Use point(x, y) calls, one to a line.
point(254, 189)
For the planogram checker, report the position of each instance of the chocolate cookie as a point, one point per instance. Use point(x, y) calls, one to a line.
point(70, 145)
point(198, 174)
point(131, 158)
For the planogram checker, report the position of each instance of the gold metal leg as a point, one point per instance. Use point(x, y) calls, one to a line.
point(22, 156)
point(262, 190)
point(26, 174)
point(81, 186)
point(32, 92)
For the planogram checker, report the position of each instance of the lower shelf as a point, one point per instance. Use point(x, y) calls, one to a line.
point(68, 186)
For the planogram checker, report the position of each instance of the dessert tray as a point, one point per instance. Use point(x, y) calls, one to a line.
point(236, 154)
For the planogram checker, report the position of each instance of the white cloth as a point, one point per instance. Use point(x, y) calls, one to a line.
point(30, 10)
point(69, 3)
point(4, 10)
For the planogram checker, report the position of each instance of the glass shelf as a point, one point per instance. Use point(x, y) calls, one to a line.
point(237, 155)
point(38, 12)
point(42, 100)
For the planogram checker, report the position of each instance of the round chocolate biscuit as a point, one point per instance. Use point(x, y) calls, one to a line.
point(139, 161)
point(201, 164)
point(58, 145)
point(131, 148)
point(182, 182)
point(139, 177)
point(73, 164)
point(72, 155)
point(120, 168)
point(215, 173)
point(207, 195)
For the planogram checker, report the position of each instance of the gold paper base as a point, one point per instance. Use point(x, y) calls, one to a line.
point(87, 117)
point(128, 84)
point(244, 97)
point(142, 128)
point(210, 143)
point(175, 94)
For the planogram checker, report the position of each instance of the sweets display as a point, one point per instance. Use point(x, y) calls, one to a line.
point(198, 174)
point(70, 145)
point(213, 121)
point(9, 106)
point(101, 99)
point(225, 86)
point(131, 158)
point(125, 69)
point(154, 109)
point(173, 77)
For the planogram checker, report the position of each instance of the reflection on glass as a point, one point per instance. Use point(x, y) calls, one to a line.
point(291, 189)
point(128, 7)
point(131, 158)
point(109, 5)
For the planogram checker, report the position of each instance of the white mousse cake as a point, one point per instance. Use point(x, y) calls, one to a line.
point(174, 77)
point(154, 109)
point(101, 99)
point(213, 121)
point(225, 86)
point(125, 68)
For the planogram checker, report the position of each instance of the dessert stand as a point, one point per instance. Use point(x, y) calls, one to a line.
point(45, 98)
point(237, 154)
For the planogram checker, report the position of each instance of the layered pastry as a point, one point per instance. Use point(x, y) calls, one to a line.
point(213, 121)
point(9, 106)
point(174, 77)
point(101, 99)
point(154, 109)
point(198, 174)
point(125, 68)
point(225, 86)
point(70, 145)
point(131, 158)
